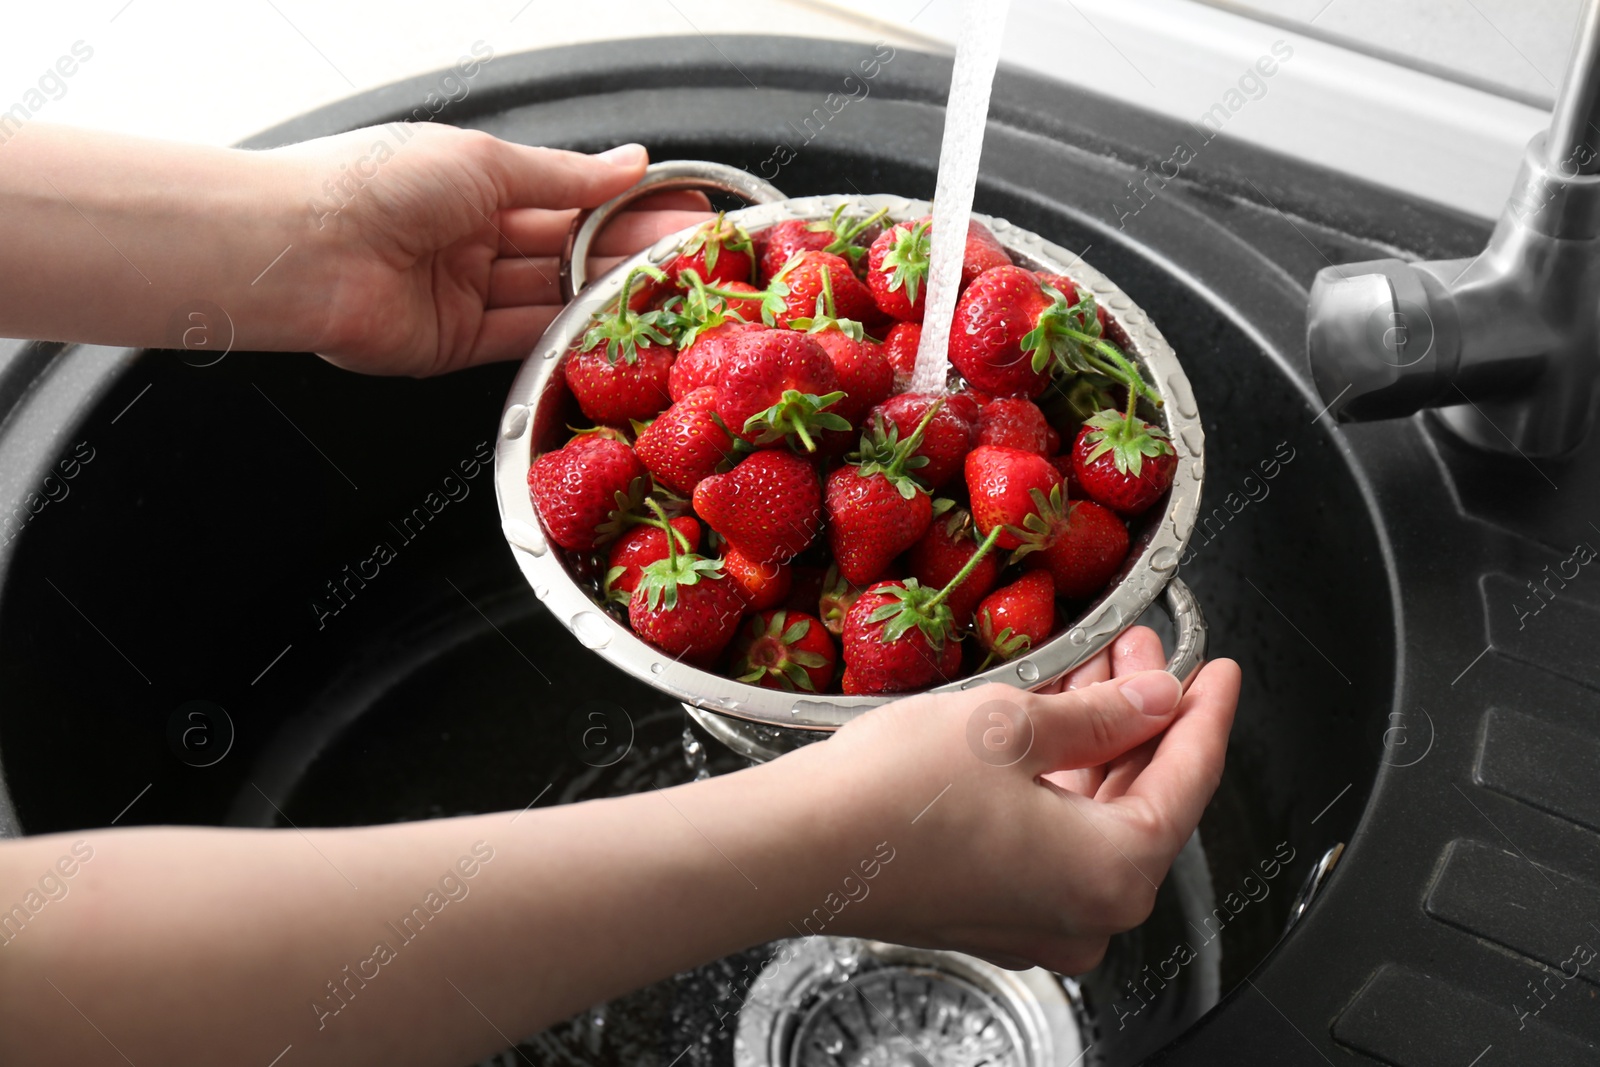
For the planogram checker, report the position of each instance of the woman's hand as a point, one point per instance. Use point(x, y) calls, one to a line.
point(445, 253)
point(1028, 828)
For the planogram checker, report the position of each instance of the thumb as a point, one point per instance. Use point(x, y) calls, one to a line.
point(556, 179)
point(1090, 726)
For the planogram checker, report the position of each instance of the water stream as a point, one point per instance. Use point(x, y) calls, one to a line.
point(966, 112)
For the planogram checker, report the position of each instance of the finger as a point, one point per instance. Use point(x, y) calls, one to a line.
point(1125, 770)
point(1139, 649)
point(515, 281)
point(673, 200)
point(1094, 725)
point(551, 178)
point(634, 231)
point(1098, 669)
point(1187, 765)
point(508, 333)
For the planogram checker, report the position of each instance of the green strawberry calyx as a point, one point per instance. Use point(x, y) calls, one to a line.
point(882, 452)
point(1127, 438)
point(767, 651)
point(824, 318)
point(661, 580)
point(1005, 645)
point(838, 594)
point(624, 511)
point(916, 605)
point(1041, 526)
point(622, 331)
point(713, 237)
point(703, 307)
point(799, 414)
point(845, 234)
point(1067, 339)
point(906, 262)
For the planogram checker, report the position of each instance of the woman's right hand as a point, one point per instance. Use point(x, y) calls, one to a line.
point(1027, 828)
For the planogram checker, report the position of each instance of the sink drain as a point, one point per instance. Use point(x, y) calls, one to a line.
point(838, 1002)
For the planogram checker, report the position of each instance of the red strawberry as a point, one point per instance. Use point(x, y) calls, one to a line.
point(784, 241)
point(763, 585)
point(1014, 423)
point(769, 506)
point(897, 264)
point(638, 548)
point(787, 650)
point(794, 290)
point(943, 551)
point(741, 299)
point(1017, 617)
point(719, 252)
point(900, 345)
point(700, 364)
point(945, 442)
point(684, 606)
point(585, 490)
point(1070, 292)
point(1123, 462)
point(1052, 441)
point(876, 510)
point(1016, 492)
point(777, 383)
point(969, 404)
point(703, 308)
point(620, 370)
point(993, 319)
point(1086, 551)
point(686, 443)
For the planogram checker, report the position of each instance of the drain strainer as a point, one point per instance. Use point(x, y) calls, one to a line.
point(838, 1002)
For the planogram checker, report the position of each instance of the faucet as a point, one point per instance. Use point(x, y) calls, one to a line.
point(1505, 345)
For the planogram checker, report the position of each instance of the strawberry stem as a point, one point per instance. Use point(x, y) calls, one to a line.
point(666, 524)
point(966, 568)
point(844, 236)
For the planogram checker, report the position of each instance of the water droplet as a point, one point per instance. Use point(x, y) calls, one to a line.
point(591, 629)
point(1193, 438)
point(1028, 671)
point(525, 536)
point(999, 225)
point(1119, 301)
point(1078, 636)
point(972, 683)
point(1182, 397)
point(657, 668)
point(1164, 560)
point(515, 423)
point(552, 353)
point(541, 591)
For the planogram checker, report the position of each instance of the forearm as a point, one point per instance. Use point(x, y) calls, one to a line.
point(219, 946)
point(111, 239)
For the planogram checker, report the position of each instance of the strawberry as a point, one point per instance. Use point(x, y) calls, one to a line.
point(1123, 462)
point(1015, 423)
point(1085, 552)
point(794, 290)
point(1017, 617)
point(775, 384)
point(787, 650)
point(968, 403)
point(900, 345)
point(685, 606)
point(620, 370)
point(946, 440)
point(943, 551)
point(769, 506)
point(876, 510)
point(999, 310)
point(900, 636)
point(1070, 292)
point(586, 490)
point(700, 364)
point(763, 585)
point(686, 443)
point(859, 362)
point(1015, 492)
point(897, 265)
point(641, 546)
point(719, 252)
point(703, 308)
point(784, 241)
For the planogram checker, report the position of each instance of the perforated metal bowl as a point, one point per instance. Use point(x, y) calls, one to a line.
point(762, 722)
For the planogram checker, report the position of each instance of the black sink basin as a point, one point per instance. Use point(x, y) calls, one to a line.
point(218, 547)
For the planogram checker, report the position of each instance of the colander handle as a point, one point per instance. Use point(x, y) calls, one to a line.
point(658, 177)
point(1189, 624)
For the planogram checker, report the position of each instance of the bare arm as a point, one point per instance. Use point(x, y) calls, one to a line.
point(204, 946)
